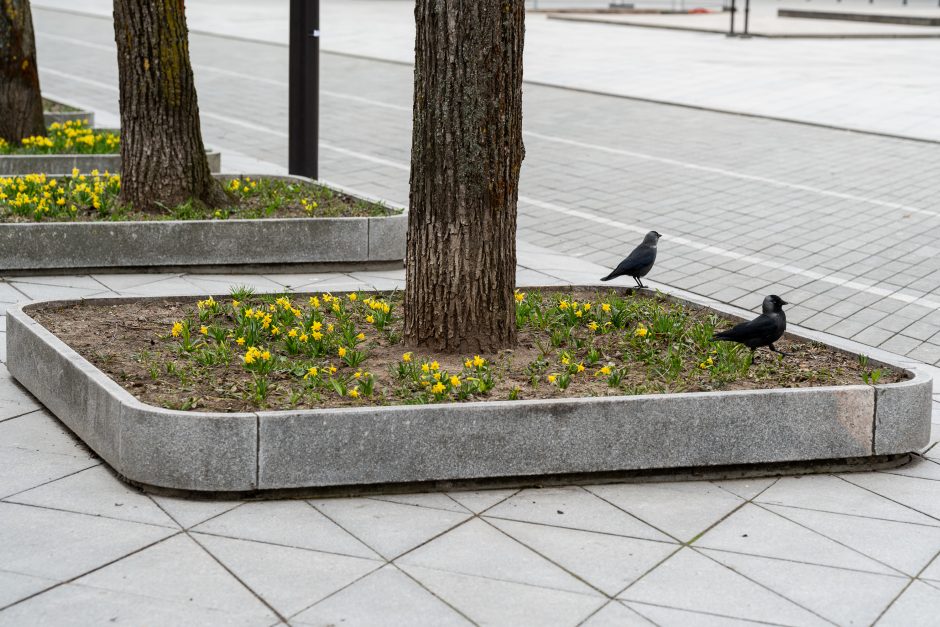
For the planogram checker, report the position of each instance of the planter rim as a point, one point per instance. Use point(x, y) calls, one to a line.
point(19, 311)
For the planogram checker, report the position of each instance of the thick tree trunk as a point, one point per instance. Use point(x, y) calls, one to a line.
point(162, 155)
point(465, 159)
point(20, 99)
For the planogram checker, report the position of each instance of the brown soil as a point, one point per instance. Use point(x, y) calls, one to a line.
point(126, 340)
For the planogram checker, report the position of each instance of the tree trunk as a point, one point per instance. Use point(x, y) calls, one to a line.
point(465, 158)
point(20, 99)
point(162, 155)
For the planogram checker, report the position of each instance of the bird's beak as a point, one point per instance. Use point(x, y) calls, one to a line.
point(784, 302)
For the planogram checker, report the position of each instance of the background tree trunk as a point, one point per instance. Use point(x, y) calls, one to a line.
point(162, 155)
point(20, 99)
point(465, 159)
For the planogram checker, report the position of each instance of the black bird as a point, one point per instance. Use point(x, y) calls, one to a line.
point(763, 330)
point(639, 262)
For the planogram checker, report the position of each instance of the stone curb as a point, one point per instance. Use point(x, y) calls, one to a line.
point(50, 117)
point(193, 243)
point(57, 165)
point(276, 450)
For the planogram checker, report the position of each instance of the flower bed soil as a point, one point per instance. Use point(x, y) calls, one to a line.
point(178, 354)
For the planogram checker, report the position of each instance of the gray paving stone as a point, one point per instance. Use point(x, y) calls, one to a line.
point(921, 495)
point(830, 494)
point(178, 570)
point(299, 526)
point(189, 512)
point(478, 501)
point(61, 545)
point(905, 547)
point(74, 605)
point(673, 616)
point(96, 491)
point(757, 531)
point(682, 510)
point(574, 508)
point(433, 500)
point(17, 586)
point(389, 529)
point(845, 597)
point(500, 602)
point(900, 344)
point(918, 605)
point(608, 562)
point(691, 581)
point(289, 579)
point(617, 614)
point(385, 597)
point(479, 550)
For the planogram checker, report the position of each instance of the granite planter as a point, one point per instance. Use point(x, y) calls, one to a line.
point(203, 243)
point(76, 114)
point(57, 165)
point(355, 447)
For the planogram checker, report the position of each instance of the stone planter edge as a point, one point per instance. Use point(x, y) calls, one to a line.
point(272, 450)
point(194, 243)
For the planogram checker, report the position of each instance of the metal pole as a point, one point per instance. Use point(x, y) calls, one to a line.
point(747, 15)
point(731, 30)
point(304, 89)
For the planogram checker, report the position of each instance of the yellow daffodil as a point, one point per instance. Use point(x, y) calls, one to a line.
point(478, 361)
point(406, 357)
point(341, 351)
point(455, 381)
point(551, 378)
point(177, 329)
point(438, 388)
point(240, 341)
point(204, 330)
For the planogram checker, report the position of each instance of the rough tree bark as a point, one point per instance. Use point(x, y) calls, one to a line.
point(20, 98)
point(465, 159)
point(162, 155)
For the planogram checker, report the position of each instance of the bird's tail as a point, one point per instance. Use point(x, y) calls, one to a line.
point(721, 335)
point(610, 276)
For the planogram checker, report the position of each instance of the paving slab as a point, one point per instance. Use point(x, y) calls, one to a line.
point(905, 547)
point(289, 579)
point(616, 614)
point(15, 587)
point(845, 597)
point(682, 510)
point(298, 525)
point(479, 550)
point(831, 494)
point(390, 529)
point(691, 581)
point(384, 598)
point(96, 491)
point(499, 602)
point(575, 508)
point(918, 605)
point(62, 545)
point(180, 571)
point(73, 605)
point(607, 562)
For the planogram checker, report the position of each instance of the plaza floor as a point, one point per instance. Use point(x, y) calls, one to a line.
point(842, 224)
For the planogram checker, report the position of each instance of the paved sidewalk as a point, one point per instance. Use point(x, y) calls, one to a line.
point(78, 547)
point(885, 85)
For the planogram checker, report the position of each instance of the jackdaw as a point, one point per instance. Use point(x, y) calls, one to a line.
point(763, 330)
point(639, 262)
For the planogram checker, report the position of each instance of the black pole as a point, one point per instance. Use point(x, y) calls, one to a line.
point(747, 15)
point(304, 91)
point(731, 30)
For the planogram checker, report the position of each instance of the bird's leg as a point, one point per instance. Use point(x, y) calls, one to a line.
point(780, 352)
point(639, 283)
